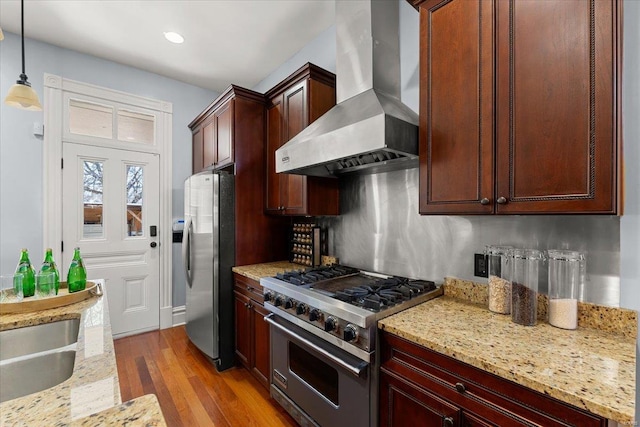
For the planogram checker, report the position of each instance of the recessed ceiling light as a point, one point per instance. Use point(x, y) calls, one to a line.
point(173, 37)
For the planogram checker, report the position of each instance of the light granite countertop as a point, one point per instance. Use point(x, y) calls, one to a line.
point(93, 390)
point(267, 269)
point(270, 269)
point(587, 368)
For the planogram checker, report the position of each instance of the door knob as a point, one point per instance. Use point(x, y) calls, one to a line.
point(153, 244)
point(448, 422)
point(501, 200)
point(484, 201)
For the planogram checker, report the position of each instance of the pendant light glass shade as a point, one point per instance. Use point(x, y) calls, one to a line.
point(21, 95)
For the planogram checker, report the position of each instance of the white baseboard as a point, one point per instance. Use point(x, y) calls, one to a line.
point(166, 317)
point(179, 317)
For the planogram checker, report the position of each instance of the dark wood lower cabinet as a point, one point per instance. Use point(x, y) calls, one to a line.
point(252, 332)
point(403, 404)
point(421, 387)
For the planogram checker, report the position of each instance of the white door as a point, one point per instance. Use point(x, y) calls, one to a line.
point(110, 200)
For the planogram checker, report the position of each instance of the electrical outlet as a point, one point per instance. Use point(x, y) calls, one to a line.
point(480, 265)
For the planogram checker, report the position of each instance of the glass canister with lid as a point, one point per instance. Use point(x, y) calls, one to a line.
point(524, 286)
point(566, 270)
point(499, 278)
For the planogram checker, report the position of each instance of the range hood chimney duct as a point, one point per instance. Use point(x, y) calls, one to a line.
point(369, 130)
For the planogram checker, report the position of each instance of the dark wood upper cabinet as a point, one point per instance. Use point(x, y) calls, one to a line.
point(230, 134)
point(213, 131)
point(519, 106)
point(294, 103)
point(208, 145)
point(197, 155)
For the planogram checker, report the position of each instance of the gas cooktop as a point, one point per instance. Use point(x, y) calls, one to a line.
point(343, 302)
point(370, 291)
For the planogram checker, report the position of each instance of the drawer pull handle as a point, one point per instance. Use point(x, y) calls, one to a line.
point(448, 422)
point(460, 387)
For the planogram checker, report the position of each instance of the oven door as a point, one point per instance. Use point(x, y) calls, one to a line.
point(328, 385)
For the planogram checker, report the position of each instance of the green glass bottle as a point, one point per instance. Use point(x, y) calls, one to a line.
point(50, 265)
point(77, 276)
point(28, 274)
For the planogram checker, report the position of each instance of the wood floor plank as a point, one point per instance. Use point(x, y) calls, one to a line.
point(186, 398)
point(190, 390)
point(168, 405)
point(215, 413)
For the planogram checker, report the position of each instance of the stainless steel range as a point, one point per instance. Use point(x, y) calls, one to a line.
point(323, 339)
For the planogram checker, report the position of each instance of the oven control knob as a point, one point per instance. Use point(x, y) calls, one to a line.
point(278, 301)
point(314, 314)
point(267, 296)
point(350, 332)
point(301, 308)
point(288, 303)
point(330, 324)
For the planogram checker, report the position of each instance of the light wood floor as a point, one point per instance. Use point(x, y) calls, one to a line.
point(190, 390)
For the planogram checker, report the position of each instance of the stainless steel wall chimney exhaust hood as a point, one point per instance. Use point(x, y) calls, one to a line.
point(369, 130)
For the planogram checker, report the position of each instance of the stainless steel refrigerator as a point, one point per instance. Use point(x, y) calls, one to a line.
point(208, 254)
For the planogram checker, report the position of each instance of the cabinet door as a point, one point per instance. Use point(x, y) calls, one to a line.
point(223, 118)
point(261, 343)
point(208, 144)
point(197, 151)
point(296, 116)
point(275, 138)
point(556, 115)
point(456, 106)
point(243, 329)
point(404, 404)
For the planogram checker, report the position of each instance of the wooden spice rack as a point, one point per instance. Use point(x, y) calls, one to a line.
point(63, 298)
point(305, 246)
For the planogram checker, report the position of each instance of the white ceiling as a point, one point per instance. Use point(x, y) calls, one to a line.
point(226, 41)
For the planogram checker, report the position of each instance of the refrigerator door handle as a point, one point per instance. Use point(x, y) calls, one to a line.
point(186, 251)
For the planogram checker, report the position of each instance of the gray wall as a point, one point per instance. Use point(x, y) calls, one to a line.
point(321, 51)
point(630, 222)
point(21, 152)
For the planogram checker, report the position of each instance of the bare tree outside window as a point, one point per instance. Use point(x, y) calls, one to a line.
point(93, 198)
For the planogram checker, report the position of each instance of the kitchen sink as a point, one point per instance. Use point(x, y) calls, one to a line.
point(38, 338)
point(32, 374)
point(36, 358)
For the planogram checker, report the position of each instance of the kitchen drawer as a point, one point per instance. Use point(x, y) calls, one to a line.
point(472, 389)
point(249, 287)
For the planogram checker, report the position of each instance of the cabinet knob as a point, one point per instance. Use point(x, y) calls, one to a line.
point(448, 422)
point(484, 201)
point(501, 200)
point(460, 387)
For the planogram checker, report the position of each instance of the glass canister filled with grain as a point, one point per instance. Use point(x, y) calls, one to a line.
point(566, 270)
point(499, 278)
point(524, 286)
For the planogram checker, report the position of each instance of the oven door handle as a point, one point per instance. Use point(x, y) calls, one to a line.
point(355, 369)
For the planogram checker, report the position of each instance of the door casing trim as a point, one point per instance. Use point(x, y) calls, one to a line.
point(54, 87)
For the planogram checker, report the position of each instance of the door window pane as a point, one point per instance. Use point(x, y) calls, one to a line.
point(135, 175)
point(136, 127)
point(92, 199)
point(87, 118)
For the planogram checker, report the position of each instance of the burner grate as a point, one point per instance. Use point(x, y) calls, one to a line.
point(384, 293)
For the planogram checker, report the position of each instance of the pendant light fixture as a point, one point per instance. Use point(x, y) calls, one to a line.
point(21, 95)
